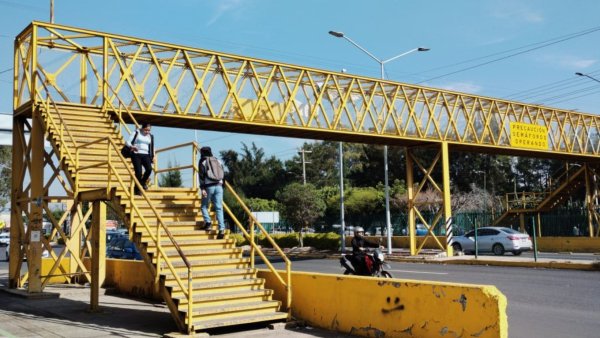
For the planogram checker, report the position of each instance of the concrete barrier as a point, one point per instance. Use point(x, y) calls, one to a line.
point(569, 244)
point(372, 307)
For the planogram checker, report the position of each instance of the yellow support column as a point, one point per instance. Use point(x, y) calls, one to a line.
point(411, 202)
point(98, 251)
point(75, 227)
point(16, 223)
point(539, 225)
point(589, 201)
point(35, 231)
point(447, 197)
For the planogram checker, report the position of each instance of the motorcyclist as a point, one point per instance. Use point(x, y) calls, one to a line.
point(359, 247)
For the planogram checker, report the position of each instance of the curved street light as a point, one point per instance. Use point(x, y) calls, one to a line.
point(588, 76)
point(385, 147)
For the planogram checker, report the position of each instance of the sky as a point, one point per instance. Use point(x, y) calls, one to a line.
point(526, 50)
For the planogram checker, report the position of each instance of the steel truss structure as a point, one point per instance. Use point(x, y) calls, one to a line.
point(186, 87)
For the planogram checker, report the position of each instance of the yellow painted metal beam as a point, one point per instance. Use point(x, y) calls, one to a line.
point(200, 88)
point(35, 230)
point(98, 252)
point(447, 198)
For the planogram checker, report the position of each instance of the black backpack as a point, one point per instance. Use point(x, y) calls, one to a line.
point(214, 169)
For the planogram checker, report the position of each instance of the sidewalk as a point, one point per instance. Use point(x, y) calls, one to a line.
point(63, 311)
point(438, 257)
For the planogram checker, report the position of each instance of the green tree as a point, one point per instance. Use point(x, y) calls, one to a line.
point(171, 178)
point(252, 174)
point(323, 169)
point(259, 204)
point(6, 175)
point(301, 205)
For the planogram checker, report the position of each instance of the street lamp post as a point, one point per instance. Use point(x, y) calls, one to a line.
point(588, 76)
point(385, 147)
point(342, 221)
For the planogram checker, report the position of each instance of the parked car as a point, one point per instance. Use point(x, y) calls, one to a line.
point(497, 240)
point(5, 253)
point(421, 229)
point(110, 234)
point(4, 238)
point(121, 247)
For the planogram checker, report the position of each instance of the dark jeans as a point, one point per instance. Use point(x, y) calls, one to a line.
point(139, 161)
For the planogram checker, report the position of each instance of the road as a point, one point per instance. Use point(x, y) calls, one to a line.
point(541, 302)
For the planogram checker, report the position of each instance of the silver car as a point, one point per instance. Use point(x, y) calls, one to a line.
point(493, 239)
point(4, 238)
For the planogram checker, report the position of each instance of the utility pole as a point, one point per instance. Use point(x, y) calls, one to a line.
point(342, 222)
point(304, 163)
point(51, 11)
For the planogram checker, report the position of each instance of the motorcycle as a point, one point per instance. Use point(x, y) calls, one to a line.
point(373, 265)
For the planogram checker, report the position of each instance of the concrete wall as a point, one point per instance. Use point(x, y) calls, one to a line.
point(372, 307)
point(363, 306)
point(569, 244)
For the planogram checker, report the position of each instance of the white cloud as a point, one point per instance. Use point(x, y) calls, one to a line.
point(222, 8)
point(516, 10)
point(568, 61)
point(463, 87)
point(578, 63)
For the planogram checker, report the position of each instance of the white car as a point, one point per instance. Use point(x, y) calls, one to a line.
point(4, 238)
point(6, 255)
point(497, 240)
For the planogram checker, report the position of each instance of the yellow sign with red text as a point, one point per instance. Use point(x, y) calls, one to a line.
point(525, 135)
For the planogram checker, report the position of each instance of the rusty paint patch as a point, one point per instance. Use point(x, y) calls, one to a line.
point(482, 331)
point(463, 302)
point(335, 323)
point(445, 331)
point(438, 293)
point(368, 331)
point(408, 330)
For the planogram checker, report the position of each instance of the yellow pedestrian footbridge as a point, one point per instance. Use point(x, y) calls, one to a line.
point(82, 91)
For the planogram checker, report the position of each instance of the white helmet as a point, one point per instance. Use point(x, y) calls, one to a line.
point(358, 230)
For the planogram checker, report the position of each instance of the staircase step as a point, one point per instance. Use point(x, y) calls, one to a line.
point(223, 298)
point(220, 286)
point(166, 244)
point(216, 274)
point(199, 265)
point(228, 312)
point(205, 252)
point(226, 290)
point(239, 320)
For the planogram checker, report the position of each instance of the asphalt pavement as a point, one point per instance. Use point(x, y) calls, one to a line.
point(64, 310)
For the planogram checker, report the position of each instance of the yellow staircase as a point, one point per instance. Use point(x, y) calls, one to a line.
point(166, 226)
point(565, 185)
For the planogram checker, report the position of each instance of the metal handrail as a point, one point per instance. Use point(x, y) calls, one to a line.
point(527, 199)
point(250, 236)
point(288, 264)
point(192, 166)
point(112, 170)
point(49, 101)
point(118, 111)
